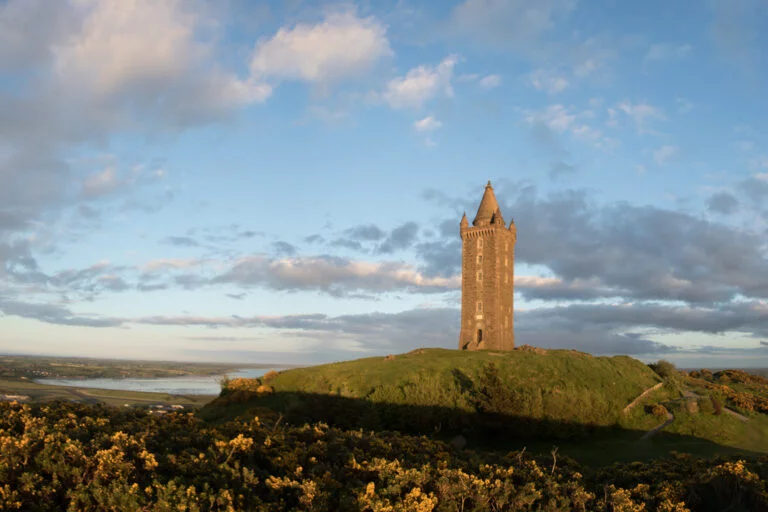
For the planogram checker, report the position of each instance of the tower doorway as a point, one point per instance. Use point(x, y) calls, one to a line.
point(479, 335)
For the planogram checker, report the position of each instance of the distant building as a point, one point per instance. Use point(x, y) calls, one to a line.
point(487, 278)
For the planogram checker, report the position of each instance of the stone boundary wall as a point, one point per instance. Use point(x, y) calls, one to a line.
point(642, 395)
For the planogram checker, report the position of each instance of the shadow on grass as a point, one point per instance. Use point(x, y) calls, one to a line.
point(590, 444)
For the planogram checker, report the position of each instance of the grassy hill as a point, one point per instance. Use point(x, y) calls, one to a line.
point(509, 400)
point(532, 393)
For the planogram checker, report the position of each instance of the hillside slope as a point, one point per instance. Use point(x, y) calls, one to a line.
point(433, 389)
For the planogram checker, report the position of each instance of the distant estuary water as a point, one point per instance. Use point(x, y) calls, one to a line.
point(191, 385)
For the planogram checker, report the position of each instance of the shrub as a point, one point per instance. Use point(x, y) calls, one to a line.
point(494, 396)
point(271, 374)
point(659, 411)
point(665, 369)
point(265, 389)
point(717, 406)
point(705, 405)
point(241, 384)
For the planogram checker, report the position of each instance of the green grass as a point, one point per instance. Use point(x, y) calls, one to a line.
point(558, 385)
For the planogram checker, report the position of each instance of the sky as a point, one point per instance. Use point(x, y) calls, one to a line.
point(282, 182)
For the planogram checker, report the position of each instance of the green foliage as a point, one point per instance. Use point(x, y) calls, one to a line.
point(493, 396)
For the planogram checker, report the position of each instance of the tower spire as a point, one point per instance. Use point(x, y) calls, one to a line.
point(488, 206)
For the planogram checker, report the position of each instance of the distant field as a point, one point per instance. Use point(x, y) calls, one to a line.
point(36, 367)
point(45, 393)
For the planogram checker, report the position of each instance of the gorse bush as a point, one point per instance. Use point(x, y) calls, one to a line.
point(68, 456)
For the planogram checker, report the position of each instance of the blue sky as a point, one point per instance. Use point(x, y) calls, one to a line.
point(283, 181)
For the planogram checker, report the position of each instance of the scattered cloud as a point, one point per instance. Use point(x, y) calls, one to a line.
point(284, 248)
point(365, 233)
point(332, 275)
point(635, 251)
point(665, 154)
point(548, 81)
point(490, 82)
point(427, 124)
point(724, 203)
point(642, 114)
point(402, 237)
point(341, 47)
point(421, 84)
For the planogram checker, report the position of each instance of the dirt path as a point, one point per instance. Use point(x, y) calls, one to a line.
point(740, 417)
point(655, 430)
point(641, 396)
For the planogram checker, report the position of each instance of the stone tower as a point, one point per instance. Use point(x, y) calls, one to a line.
point(487, 278)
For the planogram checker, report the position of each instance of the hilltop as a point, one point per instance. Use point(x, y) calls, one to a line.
point(506, 400)
point(434, 390)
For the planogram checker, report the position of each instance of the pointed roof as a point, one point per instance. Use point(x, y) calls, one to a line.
point(488, 206)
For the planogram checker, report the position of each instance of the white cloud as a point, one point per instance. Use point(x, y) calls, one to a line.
point(490, 81)
point(336, 276)
point(427, 124)
point(112, 50)
point(342, 46)
point(641, 114)
point(548, 81)
point(556, 117)
point(421, 84)
point(665, 153)
point(110, 56)
point(171, 264)
point(561, 119)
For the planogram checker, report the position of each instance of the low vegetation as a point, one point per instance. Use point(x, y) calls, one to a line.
point(380, 434)
point(68, 456)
